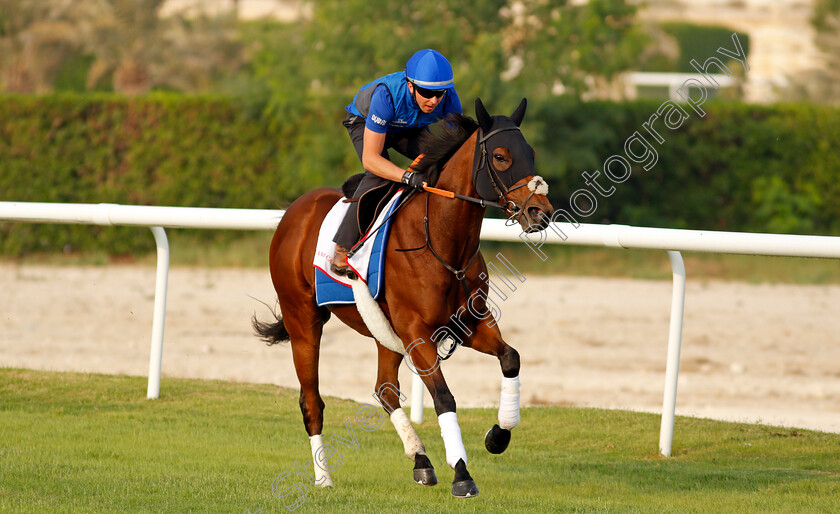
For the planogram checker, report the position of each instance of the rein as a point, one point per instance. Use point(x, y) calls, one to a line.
point(508, 207)
point(362, 241)
point(461, 275)
point(513, 210)
point(471, 199)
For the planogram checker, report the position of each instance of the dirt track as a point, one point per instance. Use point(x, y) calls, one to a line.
point(750, 352)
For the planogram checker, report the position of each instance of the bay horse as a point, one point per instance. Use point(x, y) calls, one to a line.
point(480, 164)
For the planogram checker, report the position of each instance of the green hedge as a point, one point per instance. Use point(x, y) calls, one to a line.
point(741, 167)
point(158, 150)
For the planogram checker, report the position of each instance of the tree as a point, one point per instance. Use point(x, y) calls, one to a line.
point(137, 49)
point(500, 50)
point(572, 48)
point(821, 84)
point(132, 48)
point(36, 37)
point(826, 21)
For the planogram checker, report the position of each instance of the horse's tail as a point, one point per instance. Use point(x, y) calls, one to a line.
point(274, 333)
point(271, 333)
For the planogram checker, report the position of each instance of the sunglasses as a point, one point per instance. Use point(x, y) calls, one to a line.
point(429, 93)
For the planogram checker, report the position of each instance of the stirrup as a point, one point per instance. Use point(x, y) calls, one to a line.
point(341, 271)
point(340, 257)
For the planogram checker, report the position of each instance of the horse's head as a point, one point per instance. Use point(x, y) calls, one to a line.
point(504, 169)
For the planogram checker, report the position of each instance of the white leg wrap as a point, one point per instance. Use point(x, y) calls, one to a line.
point(509, 403)
point(451, 434)
point(322, 476)
point(411, 442)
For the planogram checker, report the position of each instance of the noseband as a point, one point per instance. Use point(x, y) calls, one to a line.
point(537, 185)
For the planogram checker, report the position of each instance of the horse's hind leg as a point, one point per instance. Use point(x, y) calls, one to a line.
point(388, 394)
point(489, 340)
point(305, 330)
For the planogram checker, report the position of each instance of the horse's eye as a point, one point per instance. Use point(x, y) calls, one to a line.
point(502, 158)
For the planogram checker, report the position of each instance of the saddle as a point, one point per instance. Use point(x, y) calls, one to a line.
point(368, 262)
point(370, 202)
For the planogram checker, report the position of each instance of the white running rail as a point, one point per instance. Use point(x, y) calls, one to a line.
point(619, 236)
point(145, 216)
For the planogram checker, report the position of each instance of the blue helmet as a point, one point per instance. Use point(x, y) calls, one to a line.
point(429, 69)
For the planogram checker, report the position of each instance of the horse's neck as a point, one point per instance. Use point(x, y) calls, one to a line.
point(456, 175)
point(455, 224)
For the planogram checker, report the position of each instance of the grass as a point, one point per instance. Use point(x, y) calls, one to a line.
point(92, 443)
point(250, 250)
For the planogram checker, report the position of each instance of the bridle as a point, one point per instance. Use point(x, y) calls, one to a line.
point(511, 208)
point(537, 185)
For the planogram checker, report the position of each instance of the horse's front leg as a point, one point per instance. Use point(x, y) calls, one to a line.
point(388, 394)
point(489, 340)
point(422, 355)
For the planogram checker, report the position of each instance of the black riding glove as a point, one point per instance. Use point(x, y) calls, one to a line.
point(414, 179)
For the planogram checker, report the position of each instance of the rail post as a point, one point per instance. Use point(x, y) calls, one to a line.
point(161, 283)
point(669, 402)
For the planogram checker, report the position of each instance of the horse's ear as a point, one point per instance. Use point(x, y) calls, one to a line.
point(484, 119)
point(519, 114)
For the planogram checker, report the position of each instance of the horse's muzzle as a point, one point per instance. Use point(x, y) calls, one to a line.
point(537, 219)
point(531, 207)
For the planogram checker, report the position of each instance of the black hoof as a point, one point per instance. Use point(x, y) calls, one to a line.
point(497, 439)
point(425, 476)
point(424, 472)
point(463, 486)
point(464, 489)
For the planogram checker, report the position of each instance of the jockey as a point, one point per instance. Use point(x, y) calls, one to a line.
point(392, 112)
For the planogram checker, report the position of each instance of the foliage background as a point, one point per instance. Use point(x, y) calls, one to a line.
point(740, 168)
point(259, 122)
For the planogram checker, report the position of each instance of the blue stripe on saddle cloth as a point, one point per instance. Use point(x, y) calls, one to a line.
point(331, 290)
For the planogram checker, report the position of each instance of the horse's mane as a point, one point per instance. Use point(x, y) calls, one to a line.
point(441, 143)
